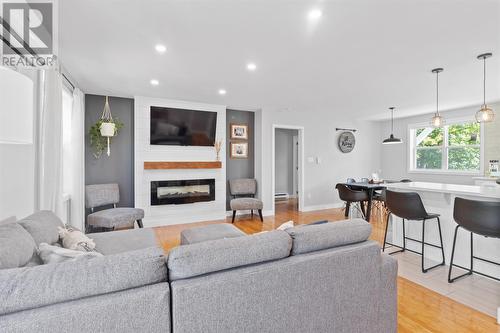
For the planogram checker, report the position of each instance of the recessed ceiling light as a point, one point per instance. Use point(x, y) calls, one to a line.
point(222, 91)
point(154, 82)
point(160, 48)
point(251, 66)
point(314, 14)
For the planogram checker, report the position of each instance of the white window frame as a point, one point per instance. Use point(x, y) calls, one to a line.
point(412, 149)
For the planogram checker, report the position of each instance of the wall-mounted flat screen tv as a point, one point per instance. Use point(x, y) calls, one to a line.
point(182, 127)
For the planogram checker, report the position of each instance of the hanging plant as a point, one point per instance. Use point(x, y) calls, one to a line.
point(103, 130)
point(99, 142)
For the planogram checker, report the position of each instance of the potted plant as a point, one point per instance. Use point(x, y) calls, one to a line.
point(103, 130)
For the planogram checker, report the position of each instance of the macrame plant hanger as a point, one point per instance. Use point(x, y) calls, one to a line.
point(107, 125)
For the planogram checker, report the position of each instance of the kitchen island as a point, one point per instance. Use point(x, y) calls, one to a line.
point(439, 198)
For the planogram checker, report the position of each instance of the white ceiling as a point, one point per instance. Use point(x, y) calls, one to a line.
point(361, 57)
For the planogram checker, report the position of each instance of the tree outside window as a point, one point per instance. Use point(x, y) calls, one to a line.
point(456, 147)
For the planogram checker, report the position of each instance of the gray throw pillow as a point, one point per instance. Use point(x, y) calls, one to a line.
point(42, 226)
point(16, 246)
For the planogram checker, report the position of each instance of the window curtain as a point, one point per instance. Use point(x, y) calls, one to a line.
point(49, 147)
point(76, 187)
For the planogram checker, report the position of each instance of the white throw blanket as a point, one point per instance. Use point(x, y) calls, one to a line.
point(51, 254)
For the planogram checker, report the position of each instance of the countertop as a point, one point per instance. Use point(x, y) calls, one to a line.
point(468, 190)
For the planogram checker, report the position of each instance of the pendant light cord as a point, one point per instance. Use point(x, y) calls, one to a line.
point(392, 120)
point(484, 81)
point(437, 93)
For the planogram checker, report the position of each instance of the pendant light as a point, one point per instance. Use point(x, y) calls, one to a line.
point(391, 139)
point(437, 120)
point(485, 114)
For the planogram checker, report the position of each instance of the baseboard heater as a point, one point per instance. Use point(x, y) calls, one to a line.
point(281, 196)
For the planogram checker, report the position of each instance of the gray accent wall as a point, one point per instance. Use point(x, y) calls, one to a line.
point(119, 167)
point(284, 160)
point(239, 168)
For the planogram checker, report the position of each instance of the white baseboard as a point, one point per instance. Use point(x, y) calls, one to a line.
point(322, 207)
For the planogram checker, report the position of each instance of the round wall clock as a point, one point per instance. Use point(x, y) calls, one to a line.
point(347, 141)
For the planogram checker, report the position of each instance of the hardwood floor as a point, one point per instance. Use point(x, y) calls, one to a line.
point(419, 309)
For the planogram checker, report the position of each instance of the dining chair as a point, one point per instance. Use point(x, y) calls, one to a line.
point(353, 199)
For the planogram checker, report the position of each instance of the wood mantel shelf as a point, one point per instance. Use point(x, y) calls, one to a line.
point(182, 165)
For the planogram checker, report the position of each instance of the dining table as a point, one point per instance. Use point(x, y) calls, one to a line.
point(370, 188)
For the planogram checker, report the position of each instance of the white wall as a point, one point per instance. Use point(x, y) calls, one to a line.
point(174, 214)
point(320, 140)
point(17, 180)
point(395, 157)
point(17, 173)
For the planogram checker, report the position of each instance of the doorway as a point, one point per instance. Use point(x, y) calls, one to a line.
point(287, 168)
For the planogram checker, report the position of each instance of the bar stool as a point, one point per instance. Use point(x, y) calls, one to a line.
point(477, 217)
point(409, 206)
point(351, 196)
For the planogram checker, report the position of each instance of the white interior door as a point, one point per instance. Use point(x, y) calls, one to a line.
point(295, 169)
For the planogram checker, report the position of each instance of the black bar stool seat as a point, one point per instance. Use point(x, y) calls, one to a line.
point(480, 218)
point(409, 206)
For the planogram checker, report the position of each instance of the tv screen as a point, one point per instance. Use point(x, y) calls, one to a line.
point(182, 127)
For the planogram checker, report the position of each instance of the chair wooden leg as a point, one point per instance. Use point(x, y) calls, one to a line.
point(234, 215)
point(251, 213)
point(139, 223)
point(260, 215)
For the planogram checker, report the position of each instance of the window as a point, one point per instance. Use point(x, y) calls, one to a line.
point(67, 148)
point(453, 148)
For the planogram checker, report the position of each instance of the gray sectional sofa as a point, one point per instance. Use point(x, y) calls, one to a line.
point(321, 278)
point(126, 290)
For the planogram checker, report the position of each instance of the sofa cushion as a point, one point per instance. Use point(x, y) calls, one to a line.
point(42, 226)
point(8, 220)
point(245, 203)
point(32, 287)
point(210, 232)
point(124, 240)
point(16, 246)
point(216, 255)
point(324, 236)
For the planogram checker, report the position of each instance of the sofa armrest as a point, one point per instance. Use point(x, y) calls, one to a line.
point(388, 298)
point(31, 287)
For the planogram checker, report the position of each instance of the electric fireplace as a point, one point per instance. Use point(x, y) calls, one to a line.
point(178, 192)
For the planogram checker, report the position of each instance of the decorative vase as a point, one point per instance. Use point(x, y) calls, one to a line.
point(217, 146)
point(107, 129)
